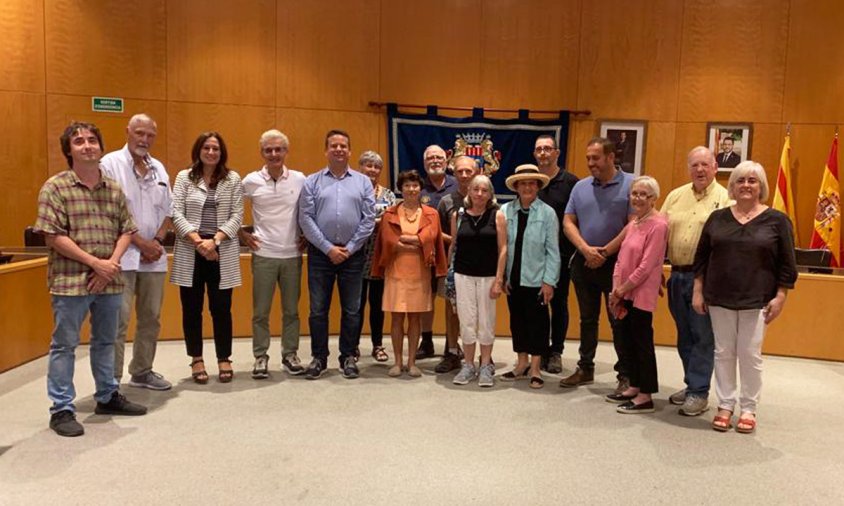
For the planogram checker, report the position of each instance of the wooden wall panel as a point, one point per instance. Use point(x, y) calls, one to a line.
point(328, 54)
point(24, 162)
point(110, 50)
point(659, 155)
point(737, 77)
point(813, 80)
point(22, 51)
point(63, 109)
point(239, 126)
point(431, 52)
point(307, 128)
point(581, 132)
point(529, 50)
point(222, 52)
point(629, 58)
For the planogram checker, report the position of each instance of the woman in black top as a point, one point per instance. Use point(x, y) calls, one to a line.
point(744, 267)
point(479, 260)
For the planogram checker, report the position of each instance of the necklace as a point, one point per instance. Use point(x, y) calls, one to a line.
point(644, 217)
point(475, 219)
point(413, 216)
point(746, 216)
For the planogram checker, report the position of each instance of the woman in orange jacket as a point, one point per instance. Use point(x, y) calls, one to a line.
point(409, 247)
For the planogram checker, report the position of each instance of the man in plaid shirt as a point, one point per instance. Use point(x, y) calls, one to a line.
point(87, 226)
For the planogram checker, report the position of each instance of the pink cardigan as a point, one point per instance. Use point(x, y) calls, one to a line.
point(640, 261)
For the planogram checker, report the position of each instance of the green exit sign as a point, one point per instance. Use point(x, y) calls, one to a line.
point(106, 104)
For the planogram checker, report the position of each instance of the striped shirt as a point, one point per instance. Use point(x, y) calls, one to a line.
point(208, 224)
point(188, 201)
point(93, 218)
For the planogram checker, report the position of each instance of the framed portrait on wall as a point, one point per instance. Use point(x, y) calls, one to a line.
point(730, 142)
point(629, 139)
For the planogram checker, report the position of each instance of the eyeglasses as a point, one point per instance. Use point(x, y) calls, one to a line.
point(544, 149)
point(431, 158)
point(640, 195)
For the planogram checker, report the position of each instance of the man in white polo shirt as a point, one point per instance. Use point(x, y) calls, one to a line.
point(276, 246)
point(144, 265)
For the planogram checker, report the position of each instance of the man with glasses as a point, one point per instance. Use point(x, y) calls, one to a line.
point(437, 185)
point(556, 195)
point(276, 244)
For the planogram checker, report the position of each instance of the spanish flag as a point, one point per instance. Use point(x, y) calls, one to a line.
point(827, 232)
point(783, 199)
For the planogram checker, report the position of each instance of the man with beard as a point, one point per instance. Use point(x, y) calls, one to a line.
point(144, 265)
point(437, 185)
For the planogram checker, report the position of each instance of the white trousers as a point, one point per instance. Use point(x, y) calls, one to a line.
point(475, 310)
point(738, 336)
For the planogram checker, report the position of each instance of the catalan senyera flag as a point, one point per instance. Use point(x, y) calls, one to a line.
point(827, 232)
point(783, 197)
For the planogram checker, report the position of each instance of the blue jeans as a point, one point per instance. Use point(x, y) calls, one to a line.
point(68, 314)
point(321, 276)
point(695, 340)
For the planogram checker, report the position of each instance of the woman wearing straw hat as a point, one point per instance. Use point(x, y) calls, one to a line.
point(533, 269)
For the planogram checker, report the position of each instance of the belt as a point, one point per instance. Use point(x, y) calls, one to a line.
point(682, 268)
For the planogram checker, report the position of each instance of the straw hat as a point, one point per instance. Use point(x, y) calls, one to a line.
point(526, 172)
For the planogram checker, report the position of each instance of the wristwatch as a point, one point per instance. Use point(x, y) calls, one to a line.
point(158, 240)
point(217, 242)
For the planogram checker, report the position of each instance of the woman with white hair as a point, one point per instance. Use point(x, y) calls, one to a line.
point(636, 281)
point(744, 267)
point(479, 232)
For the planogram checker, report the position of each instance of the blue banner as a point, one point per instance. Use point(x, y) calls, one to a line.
point(499, 145)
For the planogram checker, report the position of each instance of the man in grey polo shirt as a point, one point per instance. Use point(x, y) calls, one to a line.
point(144, 265)
point(596, 214)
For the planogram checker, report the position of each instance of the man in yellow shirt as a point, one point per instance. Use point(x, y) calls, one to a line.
point(687, 209)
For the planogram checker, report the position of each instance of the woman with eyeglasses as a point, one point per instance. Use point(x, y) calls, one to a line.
point(636, 281)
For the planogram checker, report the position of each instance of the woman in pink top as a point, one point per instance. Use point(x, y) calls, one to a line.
point(636, 281)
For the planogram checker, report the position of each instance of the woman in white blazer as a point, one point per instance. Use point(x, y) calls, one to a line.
point(207, 214)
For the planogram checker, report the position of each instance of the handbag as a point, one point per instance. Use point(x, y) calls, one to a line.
point(450, 288)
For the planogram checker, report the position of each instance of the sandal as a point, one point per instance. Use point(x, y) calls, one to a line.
point(513, 375)
point(226, 375)
point(380, 354)
point(722, 423)
point(748, 423)
point(536, 382)
point(200, 377)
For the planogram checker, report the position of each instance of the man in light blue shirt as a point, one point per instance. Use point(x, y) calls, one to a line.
point(596, 214)
point(337, 216)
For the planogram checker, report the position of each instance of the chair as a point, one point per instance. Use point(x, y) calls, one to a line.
point(31, 239)
point(815, 260)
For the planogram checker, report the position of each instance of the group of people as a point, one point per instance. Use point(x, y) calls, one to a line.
point(105, 220)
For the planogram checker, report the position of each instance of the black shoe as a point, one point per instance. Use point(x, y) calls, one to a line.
point(64, 424)
point(350, 368)
point(619, 398)
point(628, 408)
point(120, 405)
point(316, 369)
point(450, 362)
point(426, 350)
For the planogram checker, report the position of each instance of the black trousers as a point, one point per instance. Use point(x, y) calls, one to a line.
point(637, 337)
point(529, 320)
point(590, 286)
point(374, 289)
point(560, 311)
point(206, 276)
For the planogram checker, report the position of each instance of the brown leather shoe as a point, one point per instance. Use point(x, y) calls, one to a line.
point(579, 377)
